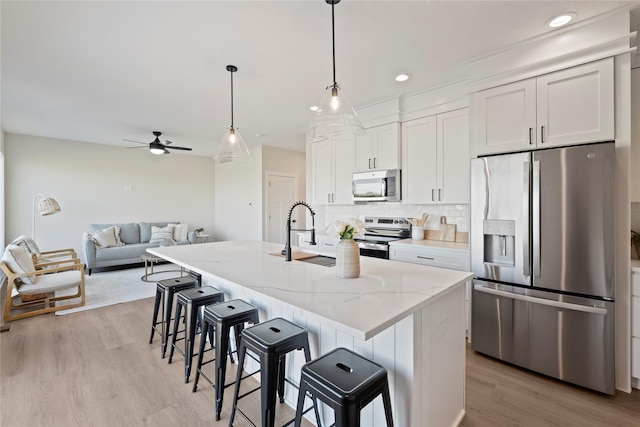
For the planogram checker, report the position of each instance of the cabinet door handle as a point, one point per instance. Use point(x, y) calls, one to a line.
point(425, 257)
point(541, 134)
point(329, 244)
point(530, 136)
point(439, 194)
point(333, 197)
point(328, 197)
point(374, 162)
point(369, 163)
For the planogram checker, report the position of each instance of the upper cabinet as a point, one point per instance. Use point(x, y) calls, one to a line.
point(634, 182)
point(571, 106)
point(435, 159)
point(332, 172)
point(378, 148)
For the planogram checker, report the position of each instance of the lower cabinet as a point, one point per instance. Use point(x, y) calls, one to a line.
point(454, 259)
point(323, 243)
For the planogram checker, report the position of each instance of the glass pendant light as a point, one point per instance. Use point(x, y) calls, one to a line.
point(232, 146)
point(335, 117)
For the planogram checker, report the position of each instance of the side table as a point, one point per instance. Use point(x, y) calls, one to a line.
point(149, 262)
point(202, 238)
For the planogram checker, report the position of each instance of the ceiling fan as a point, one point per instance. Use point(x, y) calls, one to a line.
point(157, 147)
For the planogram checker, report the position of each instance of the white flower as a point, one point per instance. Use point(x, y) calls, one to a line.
point(345, 229)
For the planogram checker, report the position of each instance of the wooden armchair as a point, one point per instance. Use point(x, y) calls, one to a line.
point(40, 257)
point(31, 288)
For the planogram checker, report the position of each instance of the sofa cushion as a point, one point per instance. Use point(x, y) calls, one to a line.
point(129, 232)
point(134, 250)
point(145, 229)
point(19, 261)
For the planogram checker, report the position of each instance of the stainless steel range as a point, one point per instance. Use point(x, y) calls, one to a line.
point(379, 232)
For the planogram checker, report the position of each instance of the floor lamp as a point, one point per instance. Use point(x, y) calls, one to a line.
point(46, 206)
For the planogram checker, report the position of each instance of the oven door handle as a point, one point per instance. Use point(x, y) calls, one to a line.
point(375, 246)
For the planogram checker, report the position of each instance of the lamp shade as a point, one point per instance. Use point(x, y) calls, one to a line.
point(335, 118)
point(232, 147)
point(48, 206)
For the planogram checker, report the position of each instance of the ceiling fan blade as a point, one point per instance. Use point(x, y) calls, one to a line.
point(180, 148)
point(167, 142)
point(135, 147)
point(137, 142)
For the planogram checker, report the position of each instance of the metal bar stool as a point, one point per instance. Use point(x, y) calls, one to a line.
point(191, 300)
point(222, 317)
point(347, 382)
point(270, 341)
point(165, 290)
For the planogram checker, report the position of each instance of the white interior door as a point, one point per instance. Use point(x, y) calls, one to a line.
point(281, 194)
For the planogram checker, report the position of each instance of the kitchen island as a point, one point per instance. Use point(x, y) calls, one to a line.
point(407, 317)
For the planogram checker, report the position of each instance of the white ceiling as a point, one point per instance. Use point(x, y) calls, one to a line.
point(103, 71)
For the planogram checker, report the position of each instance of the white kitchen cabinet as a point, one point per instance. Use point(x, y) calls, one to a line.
point(571, 106)
point(378, 148)
point(440, 255)
point(435, 159)
point(332, 172)
point(635, 324)
point(634, 182)
point(324, 243)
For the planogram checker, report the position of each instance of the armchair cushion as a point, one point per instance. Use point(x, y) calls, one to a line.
point(20, 262)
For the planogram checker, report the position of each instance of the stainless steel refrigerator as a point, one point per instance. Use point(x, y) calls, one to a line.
point(542, 254)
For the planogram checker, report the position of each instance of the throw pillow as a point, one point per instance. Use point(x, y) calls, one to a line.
point(105, 238)
point(180, 232)
point(160, 234)
point(19, 261)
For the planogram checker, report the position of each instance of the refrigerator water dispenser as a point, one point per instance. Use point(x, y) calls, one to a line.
point(499, 242)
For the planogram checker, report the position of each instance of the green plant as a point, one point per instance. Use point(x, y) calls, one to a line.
point(199, 230)
point(635, 238)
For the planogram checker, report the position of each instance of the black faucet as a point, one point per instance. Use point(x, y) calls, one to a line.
point(287, 249)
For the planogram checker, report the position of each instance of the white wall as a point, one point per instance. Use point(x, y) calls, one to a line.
point(89, 182)
point(241, 193)
point(238, 194)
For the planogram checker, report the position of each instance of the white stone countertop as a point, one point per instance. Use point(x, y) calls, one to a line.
point(385, 293)
point(457, 246)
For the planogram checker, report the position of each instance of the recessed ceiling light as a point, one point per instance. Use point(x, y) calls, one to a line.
point(314, 108)
point(402, 77)
point(561, 20)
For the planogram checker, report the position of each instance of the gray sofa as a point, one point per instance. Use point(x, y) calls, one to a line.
point(135, 237)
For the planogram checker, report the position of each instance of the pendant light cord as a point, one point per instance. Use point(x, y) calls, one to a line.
point(333, 39)
point(231, 99)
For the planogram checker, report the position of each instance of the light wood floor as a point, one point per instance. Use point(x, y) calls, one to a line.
point(96, 368)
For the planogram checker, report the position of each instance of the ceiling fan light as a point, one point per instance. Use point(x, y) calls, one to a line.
point(157, 150)
point(335, 118)
point(232, 147)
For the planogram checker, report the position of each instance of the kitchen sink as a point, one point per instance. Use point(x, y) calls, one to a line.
point(326, 261)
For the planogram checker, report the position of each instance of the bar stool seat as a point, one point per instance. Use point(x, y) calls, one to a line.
point(221, 317)
point(347, 382)
point(165, 291)
point(191, 300)
point(270, 341)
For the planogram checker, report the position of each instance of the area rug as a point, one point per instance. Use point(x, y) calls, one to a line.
point(115, 287)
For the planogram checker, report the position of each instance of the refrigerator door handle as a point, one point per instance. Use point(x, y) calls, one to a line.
point(542, 301)
point(526, 258)
point(535, 217)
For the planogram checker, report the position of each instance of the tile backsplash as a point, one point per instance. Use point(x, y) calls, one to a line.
point(456, 214)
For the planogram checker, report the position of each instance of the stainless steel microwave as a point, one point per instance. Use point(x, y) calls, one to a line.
point(377, 186)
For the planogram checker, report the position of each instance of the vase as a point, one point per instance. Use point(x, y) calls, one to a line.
point(347, 259)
